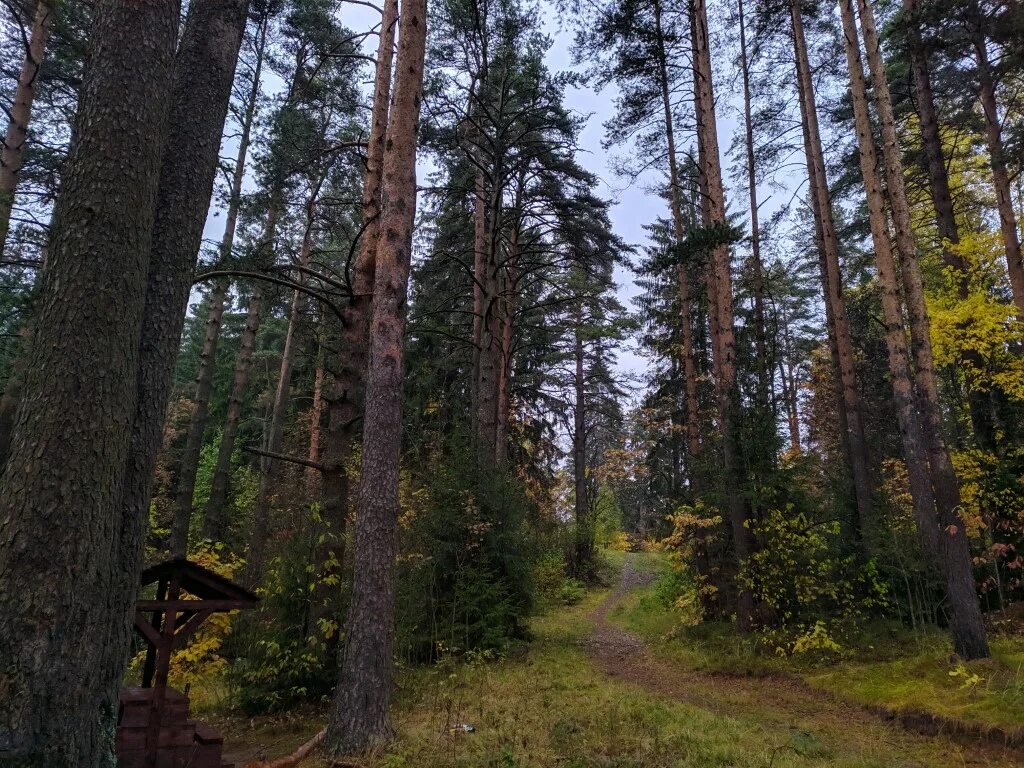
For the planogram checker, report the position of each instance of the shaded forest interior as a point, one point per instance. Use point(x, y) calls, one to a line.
point(340, 300)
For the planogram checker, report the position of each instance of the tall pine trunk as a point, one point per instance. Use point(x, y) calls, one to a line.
point(997, 154)
point(722, 314)
point(969, 636)
point(270, 464)
point(204, 71)
point(214, 524)
point(64, 581)
point(832, 278)
point(682, 275)
point(914, 452)
point(359, 713)
point(488, 370)
point(346, 395)
point(189, 466)
point(20, 114)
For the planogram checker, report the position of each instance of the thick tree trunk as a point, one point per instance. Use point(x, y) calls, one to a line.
point(204, 70)
point(490, 331)
point(346, 395)
point(721, 287)
point(20, 114)
point(359, 714)
point(64, 581)
point(832, 277)
point(488, 372)
point(214, 524)
point(197, 424)
point(968, 627)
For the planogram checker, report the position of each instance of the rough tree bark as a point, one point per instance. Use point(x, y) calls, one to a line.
point(969, 636)
point(62, 575)
point(346, 394)
point(488, 356)
point(721, 287)
point(20, 114)
point(359, 713)
point(832, 276)
point(204, 71)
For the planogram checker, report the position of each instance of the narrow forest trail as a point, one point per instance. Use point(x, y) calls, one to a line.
point(775, 703)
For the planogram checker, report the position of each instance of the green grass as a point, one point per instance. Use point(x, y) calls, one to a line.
point(890, 666)
point(987, 693)
point(551, 707)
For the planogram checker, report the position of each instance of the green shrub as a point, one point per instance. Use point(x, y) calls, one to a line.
point(280, 658)
point(810, 593)
point(465, 564)
point(571, 591)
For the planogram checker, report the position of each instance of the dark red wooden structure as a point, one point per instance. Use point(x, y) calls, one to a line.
point(154, 729)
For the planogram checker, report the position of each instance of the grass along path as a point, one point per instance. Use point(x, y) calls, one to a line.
point(893, 668)
point(776, 703)
point(588, 694)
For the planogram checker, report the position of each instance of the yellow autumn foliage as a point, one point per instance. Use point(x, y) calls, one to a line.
point(978, 335)
point(199, 661)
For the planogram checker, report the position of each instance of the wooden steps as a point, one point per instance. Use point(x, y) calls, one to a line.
point(182, 743)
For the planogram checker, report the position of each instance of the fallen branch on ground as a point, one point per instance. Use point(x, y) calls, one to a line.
point(295, 757)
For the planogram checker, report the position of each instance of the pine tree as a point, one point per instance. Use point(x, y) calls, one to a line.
point(96, 270)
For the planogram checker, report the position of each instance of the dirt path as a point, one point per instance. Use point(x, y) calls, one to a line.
point(776, 703)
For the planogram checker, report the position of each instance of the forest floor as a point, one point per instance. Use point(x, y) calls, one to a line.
point(596, 689)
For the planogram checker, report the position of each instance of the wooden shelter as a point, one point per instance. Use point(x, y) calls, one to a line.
point(154, 729)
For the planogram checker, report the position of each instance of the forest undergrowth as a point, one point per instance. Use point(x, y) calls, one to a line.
point(702, 698)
